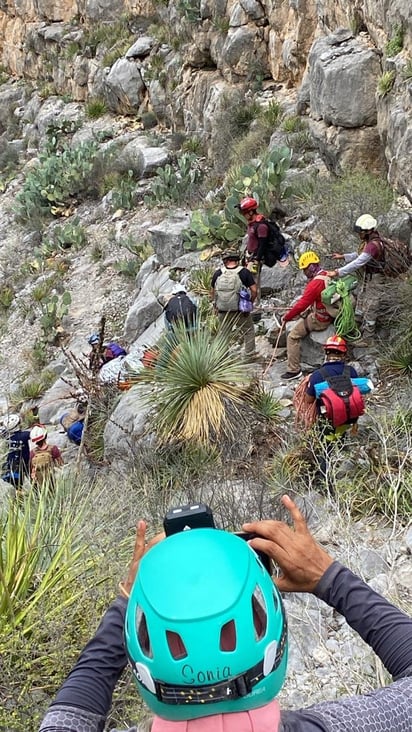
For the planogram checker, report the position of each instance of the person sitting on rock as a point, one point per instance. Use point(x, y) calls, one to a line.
point(73, 422)
point(310, 308)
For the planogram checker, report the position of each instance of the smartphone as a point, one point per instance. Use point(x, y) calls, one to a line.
point(192, 516)
point(264, 558)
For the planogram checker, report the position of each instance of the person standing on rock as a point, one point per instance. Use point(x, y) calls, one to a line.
point(369, 259)
point(265, 244)
point(227, 283)
point(203, 626)
point(310, 308)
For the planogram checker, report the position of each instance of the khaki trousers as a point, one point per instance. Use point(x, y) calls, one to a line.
point(240, 324)
point(303, 327)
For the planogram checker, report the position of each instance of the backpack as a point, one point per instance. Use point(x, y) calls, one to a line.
point(75, 431)
point(42, 464)
point(227, 288)
point(275, 245)
point(113, 350)
point(342, 402)
point(395, 256)
point(180, 307)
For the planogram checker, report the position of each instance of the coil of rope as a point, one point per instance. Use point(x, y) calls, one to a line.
point(345, 323)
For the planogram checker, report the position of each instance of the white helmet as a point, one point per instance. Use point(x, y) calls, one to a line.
point(366, 222)
point(38, 433)
point(9, 422)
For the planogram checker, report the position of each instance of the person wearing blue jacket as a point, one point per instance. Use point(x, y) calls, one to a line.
point(151, 613)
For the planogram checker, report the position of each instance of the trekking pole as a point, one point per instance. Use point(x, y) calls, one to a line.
point(273, 357)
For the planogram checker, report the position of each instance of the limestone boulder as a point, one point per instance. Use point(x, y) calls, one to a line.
point(343, 74)
point(142, 158)
point(126, 426)
point(348, 149)
point(123, 87)
point(167, 237)
point(141, 315)
point(274, 279)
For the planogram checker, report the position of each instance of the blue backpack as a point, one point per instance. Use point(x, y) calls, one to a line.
point(75, 431)
point(115, 349)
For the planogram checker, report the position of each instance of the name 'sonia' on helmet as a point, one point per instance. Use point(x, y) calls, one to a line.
point(366, 222)
point(205, 627)
point(38, 433)
point(308, 258)
point(335, 343)
point(248, 204)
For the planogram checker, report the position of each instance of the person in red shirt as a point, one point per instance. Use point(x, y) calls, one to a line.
point(310, 307)
point(43, 458)
point(370, 259)
point(258, 236)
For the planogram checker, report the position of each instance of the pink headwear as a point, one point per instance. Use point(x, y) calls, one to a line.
point(264, 719)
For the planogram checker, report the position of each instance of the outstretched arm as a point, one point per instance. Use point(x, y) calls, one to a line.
point(307, 567)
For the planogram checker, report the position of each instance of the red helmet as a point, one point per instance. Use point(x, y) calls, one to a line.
point(248, 204)
point(335, 343)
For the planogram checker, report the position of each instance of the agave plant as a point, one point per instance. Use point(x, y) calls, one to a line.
point(199, 386)
point(40, 556)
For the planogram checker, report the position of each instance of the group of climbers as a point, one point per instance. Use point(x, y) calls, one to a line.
point(36, 464)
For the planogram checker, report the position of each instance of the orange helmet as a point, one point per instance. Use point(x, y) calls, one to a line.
point(248, 204)
point(336, 343)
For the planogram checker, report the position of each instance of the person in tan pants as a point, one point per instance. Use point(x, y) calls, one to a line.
point(314, 316)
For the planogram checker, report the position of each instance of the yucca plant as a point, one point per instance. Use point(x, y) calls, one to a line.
point(200, 280)
point(199, 386)
point(40, 556)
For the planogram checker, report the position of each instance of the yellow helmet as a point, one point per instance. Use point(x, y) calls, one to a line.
point(308, 258)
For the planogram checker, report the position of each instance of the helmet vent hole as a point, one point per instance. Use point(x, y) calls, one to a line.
point(143, 634)
point(228, 636)
point(176, 646)
point(259, 612)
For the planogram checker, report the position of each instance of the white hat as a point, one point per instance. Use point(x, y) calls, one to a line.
point(38, 433)
point(366, 222)
point(9, 422)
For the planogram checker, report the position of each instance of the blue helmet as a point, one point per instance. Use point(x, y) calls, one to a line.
point(94, 339)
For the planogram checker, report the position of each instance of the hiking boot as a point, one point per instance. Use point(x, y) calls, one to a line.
point(290, 375)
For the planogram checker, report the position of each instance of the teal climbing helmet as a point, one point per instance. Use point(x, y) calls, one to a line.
point(205, 627)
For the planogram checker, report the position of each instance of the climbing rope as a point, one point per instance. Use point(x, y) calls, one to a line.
point(345, 323)
point(273, 357)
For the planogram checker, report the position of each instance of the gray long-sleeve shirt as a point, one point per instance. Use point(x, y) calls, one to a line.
point(84, 700)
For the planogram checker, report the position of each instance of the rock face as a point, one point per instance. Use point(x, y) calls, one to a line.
point(335, 71)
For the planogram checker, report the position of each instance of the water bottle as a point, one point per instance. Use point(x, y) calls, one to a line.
point(245, 303)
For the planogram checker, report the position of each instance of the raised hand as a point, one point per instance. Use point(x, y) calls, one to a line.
point(300, 558)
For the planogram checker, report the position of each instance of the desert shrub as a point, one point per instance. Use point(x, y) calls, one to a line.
point(407, 70)
point(6, 297)
point(338, 202)
point(385, 83)
point(95, 108)
point(200, 280)
point(395, 44)
point(56, 180)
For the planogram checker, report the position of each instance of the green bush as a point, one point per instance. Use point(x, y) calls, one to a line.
point(95, 108)
point(338, 202)
point(6, 297)
point(386, 83)
point(56, 180)
point(407, 70)
point(395, 44)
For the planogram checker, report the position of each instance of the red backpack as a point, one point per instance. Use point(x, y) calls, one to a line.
point(342, 402)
